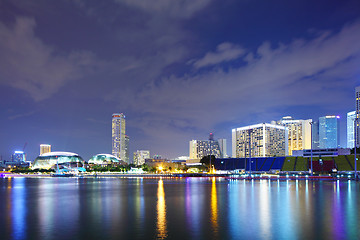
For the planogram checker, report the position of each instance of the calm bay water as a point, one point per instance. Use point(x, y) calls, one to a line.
point(187, 208)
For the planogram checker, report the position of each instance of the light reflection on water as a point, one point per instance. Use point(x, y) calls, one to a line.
point(161, 212)
point(188, 208)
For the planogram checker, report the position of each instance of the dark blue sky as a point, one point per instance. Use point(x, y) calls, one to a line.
point(177, 69)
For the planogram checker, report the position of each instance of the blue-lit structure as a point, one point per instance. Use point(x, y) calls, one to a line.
point(329, 132)
point(257, 164)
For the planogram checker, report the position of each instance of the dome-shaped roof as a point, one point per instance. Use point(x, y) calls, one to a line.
point(59, 153)
point(104, 158)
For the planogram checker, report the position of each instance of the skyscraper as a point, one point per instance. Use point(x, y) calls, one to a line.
point(118, 136)
point(299, 136)
point(127, 149)
point(350, 129)
point(45, 148)
point(329, 132)
point(222, 145)
point(260, 140)
point(357, 112)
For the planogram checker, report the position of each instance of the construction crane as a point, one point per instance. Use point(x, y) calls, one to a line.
point(24, 147)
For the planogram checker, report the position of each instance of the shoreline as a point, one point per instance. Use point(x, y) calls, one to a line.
point(273, 177)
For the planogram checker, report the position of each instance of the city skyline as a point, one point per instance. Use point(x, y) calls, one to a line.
point(177, 71)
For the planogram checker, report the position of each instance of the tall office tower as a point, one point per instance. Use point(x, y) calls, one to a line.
point(299, 136)
point(357, 112)
point(350, 129)
point(222, 145)
point(127, 159)
point(260, 140)
point(45, 148)
point(18, 156)
point(329, 132)
point(118, 136)
point(140, 156)
point(201, 148)
point(315, 135)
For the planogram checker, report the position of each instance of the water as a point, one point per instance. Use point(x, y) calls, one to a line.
point(187, 208)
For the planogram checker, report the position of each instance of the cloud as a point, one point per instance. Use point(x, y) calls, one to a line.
point(173, 8)
point(301, 73)
point(28, 64)
point(224, 52)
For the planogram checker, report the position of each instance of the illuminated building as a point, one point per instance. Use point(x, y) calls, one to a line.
point(350, 129)
point(357, 112)
point(263, 140)
point(329, 132)
point(45, 148)
point(104, 158)
point(62, 159)
point(127, 149)
point(222, 146)
point(18, 157)
point(201, 148)
point(140, 156)
point(118, 136)
point(299, 133)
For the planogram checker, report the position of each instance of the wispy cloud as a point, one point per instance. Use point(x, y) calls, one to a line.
point(224, 52)
point(21, 115)
point(29, 64)
point(314, 72)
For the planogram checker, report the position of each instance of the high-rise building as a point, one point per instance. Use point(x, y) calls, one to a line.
point(299, 136)
point(118, 136)
point(45, 148)
point(329, 132)
point(260, 140)
point(127, 159)
point(18, 156)
point(222, 145)
point(201, 148)
point(140, 156)
point(315, 135)
point(350, 129)
point(357, 114)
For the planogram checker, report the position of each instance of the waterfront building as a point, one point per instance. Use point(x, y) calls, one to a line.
point(45, 148)
point(18, 157)
point(222, 146)
point(299, 135)
point(329, 132)
point(350, 129)
point(105, 159)
point(140, 156)
point(119, 140)
point(357, 114)
point(260, 140)
point(127, 139)
point(201, 148)
point(58, 159)
point(315, 135)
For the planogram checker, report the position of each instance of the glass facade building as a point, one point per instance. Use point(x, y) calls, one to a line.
point(350, 129)
point(329, 132)
point(50, 160)
point(260, 140)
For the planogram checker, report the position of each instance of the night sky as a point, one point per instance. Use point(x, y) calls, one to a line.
point(178, 69)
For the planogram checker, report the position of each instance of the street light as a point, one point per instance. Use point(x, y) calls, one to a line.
point(311, 163)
